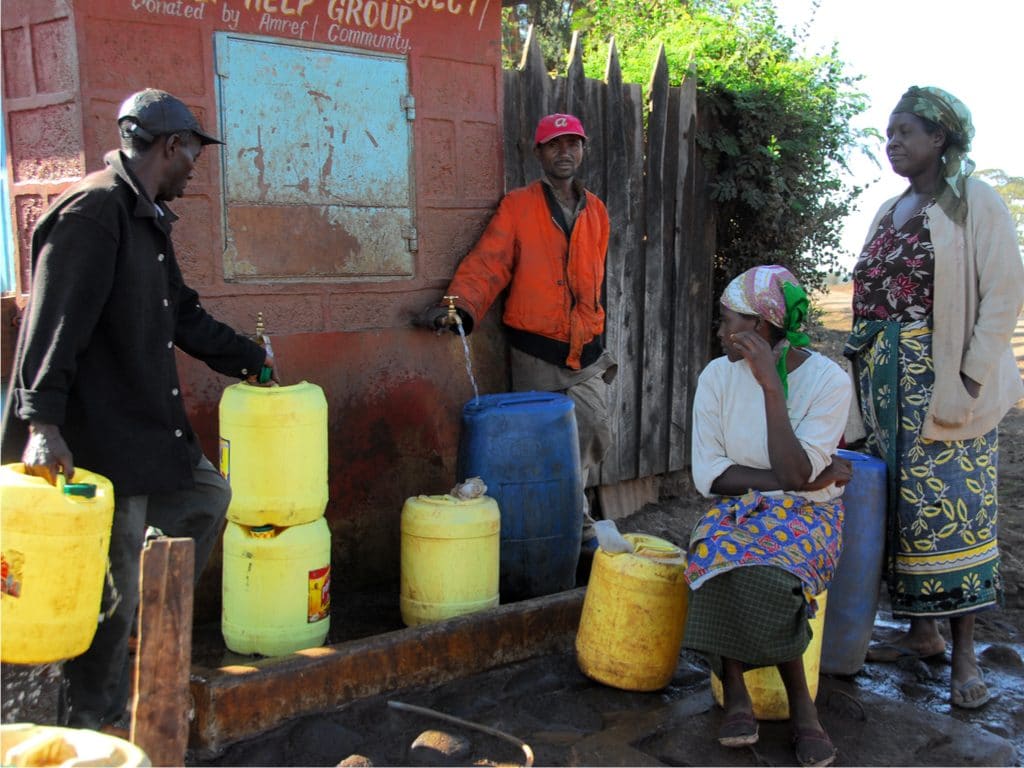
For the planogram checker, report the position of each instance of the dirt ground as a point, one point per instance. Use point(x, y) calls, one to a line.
point(886, 714)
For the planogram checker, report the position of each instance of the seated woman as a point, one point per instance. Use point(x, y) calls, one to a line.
point(767, 419)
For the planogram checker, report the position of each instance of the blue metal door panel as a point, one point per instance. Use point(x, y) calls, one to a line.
point(316, 166)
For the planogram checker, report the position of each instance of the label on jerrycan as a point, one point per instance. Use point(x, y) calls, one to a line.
point(12, 565)
point(319, 594)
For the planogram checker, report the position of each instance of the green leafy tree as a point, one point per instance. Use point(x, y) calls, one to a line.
point(552, 23)
point(1011, 189)
point(775, 129)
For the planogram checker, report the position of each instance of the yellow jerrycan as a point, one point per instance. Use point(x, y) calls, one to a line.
point(53, 559)
point(273, 452)
point(29, 744)
point(764, 684)
point(449, 557)
point(634, 614)
point(276, 591)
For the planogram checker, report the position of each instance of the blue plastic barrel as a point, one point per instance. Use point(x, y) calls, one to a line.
point(853, 594)
point(525, 447)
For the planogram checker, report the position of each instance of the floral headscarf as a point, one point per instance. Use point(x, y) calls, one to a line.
point(773, 293)
point(947, 110)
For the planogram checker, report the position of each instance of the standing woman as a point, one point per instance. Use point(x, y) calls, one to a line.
point(767, 418)
point(937, 291)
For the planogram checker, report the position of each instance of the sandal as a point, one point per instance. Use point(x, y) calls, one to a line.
point(958, 694)
point(814, 749)
point(738, 730)
point(888, 653)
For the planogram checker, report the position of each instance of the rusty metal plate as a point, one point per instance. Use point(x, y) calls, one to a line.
point(316, 166)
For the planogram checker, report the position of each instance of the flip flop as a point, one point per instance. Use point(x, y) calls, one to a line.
point(814, 749)
point(738, 730)
point(958, 692)
point(888, 653)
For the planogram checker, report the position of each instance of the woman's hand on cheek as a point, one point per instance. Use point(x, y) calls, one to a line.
point(759, 355)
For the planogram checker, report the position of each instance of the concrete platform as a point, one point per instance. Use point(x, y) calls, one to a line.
point(237, 702)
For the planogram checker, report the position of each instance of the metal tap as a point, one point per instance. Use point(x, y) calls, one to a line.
point(264, 341)
point(260, 329)
point(453, 313)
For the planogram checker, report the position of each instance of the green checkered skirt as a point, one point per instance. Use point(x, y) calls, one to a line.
point(756, 614)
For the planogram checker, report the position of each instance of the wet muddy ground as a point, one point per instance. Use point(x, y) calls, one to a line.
point(887, 714)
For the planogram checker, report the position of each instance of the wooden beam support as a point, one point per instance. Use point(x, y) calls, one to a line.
point(160, 709)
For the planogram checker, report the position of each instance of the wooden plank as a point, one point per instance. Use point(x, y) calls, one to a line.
point(653, 424)
point(160, 709)
point(512, 137)
point(631, 361)
point(621, 126)
point(701, 259)
point(536, 101)
point(525, 102)
point(575, 82)
point(616, 201)
point(686, 296)
point(591, 110)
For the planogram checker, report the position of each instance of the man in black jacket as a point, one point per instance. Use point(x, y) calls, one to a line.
point(95, 381)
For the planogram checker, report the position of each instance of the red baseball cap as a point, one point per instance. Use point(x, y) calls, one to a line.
point(553, 126)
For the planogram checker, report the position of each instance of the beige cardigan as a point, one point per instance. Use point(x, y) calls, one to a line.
point(979, 290)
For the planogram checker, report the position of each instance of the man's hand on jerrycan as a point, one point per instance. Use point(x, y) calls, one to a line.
point(46, 455)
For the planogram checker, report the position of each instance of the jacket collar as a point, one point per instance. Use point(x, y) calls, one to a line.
point(577, 186)
point(144, 207)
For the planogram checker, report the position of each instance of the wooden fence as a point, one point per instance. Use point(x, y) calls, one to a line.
point(659, 273)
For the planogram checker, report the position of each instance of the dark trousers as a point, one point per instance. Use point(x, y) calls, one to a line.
point(98, 683)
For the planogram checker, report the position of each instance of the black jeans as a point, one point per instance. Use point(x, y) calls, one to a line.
point(98, 682)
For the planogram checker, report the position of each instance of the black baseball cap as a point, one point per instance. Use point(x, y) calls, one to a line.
point(152, 112)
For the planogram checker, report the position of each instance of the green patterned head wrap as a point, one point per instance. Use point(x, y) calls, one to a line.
point(946, 110)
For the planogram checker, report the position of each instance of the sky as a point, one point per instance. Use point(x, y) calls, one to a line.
point(971, 49)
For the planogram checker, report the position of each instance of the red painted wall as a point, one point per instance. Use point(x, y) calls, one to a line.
point(394, 392)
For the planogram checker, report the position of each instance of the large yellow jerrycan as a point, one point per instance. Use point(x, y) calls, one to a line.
point(449, 559)
point(764, 684)
point(54, 543)
point(273, 452)
point(634, 614)
point(29, 744)
point(276, 592)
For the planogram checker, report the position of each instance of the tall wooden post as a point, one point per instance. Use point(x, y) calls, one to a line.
point(160, 709)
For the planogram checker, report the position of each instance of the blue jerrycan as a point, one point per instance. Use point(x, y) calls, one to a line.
point(853, 594)
point(525, 447)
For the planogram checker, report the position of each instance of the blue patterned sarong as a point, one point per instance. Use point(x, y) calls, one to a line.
point(942, 505)
point(788, 532)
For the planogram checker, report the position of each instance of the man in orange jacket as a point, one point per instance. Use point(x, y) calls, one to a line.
point(547, 244)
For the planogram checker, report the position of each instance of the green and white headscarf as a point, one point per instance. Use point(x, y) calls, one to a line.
point(772, 292)
point(946, 110)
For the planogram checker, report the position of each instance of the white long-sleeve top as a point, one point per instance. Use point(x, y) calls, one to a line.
point(730, 427)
